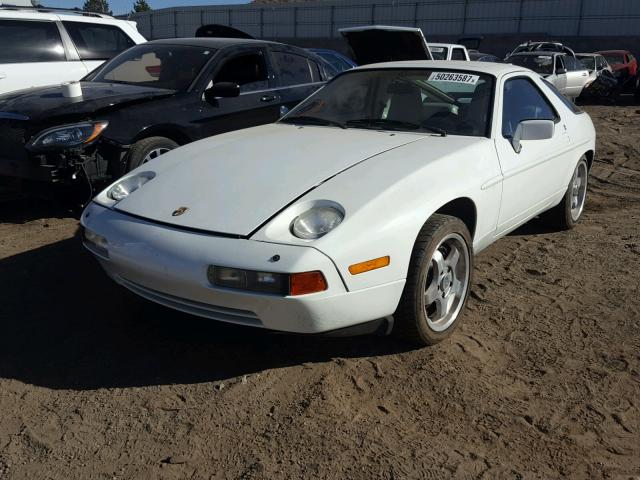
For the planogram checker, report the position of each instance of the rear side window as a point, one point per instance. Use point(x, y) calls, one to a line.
point(572, 64)
point(26, 41)
point(336, 62)
point(296, 69)
point(98, 42)
point(523, 101)
point(457, 54)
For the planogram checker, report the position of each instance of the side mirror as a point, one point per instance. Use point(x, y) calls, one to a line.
point(532, 130)
point(221, 89)
point(561, 71)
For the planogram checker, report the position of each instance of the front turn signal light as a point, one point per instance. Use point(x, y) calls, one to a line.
point(306, 282)
point(369, 265)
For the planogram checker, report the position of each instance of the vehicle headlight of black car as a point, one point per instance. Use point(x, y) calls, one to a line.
point(66, 136)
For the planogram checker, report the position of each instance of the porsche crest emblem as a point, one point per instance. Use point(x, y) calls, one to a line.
point(179, 211)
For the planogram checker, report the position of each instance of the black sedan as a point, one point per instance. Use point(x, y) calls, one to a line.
point(148, 100)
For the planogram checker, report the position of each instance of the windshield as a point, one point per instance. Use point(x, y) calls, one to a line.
point(421, 100)
point(439, 53)
point(172, 67)
point(542, 64)
point(614, 58)
point(587, 61)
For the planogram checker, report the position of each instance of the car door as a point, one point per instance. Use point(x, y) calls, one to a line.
point(97, 42)
point(534, 176)
point(297, 77)
point(257, 103)
point(560, 75)
point(577, 76)
point(32, 54)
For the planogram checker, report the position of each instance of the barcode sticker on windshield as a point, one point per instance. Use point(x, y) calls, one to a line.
point(454, 77)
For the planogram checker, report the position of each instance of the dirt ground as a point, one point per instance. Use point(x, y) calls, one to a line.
point(541, 381)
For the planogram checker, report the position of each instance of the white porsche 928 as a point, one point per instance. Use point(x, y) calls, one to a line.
point(361, 209)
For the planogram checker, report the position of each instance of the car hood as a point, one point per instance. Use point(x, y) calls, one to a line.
point(380, 43)
point(47, 103)
point(233, 183)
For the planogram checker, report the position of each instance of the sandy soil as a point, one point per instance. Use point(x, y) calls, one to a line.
point(542, 380)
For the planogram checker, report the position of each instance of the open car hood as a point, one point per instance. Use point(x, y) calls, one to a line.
point(379, 43)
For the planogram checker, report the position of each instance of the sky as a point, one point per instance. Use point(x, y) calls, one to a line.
point(125, 6)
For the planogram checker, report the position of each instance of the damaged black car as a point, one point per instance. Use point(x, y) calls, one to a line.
point(148, 100)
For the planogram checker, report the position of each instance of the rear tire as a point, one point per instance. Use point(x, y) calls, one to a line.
point(568, 212)
point(148, 149)
point(438, 282)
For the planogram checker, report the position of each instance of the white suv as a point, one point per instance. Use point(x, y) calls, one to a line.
point(41, 46)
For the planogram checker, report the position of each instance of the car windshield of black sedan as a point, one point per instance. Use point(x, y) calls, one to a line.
point(423, 100)
point(173, 67)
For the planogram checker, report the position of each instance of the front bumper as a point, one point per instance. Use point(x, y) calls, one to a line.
point(169, 266)
point(25, 169)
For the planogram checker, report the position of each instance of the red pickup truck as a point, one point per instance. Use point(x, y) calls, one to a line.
point(625, 68)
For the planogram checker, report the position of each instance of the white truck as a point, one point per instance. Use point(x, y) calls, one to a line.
point(448, 51)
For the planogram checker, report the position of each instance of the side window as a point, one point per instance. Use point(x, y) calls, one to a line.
point(97, 42)
point(573, 64)
point(569, 104)
point(296, 69)
point(457, 54)
point(248, 70)
point(523, 101)
point(28, 41)
point(559, 63)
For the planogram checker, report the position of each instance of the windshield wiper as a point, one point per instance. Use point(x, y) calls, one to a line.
point(382, 123)
point(386, 124)
point(305, 119)
point(440, 131)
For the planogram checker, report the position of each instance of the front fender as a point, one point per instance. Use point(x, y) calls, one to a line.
point(388, 198)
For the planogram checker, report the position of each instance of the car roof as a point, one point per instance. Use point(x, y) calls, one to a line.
point(17, 13)
point(495, 69)
point(537, 53)
point(211, 42)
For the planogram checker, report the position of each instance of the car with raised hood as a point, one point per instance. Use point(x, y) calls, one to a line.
point(383, 43)
point(147, 101)
point(361, 209)
point(564, 71)
point(45, 46)
point(541, 47)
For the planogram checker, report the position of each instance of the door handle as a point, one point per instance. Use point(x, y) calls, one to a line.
point(585, 74)
point(3, 75)
point(268, 98)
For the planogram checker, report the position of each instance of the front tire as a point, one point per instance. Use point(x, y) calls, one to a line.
point(147, 149)
point(438, 282)
point(568, 212)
